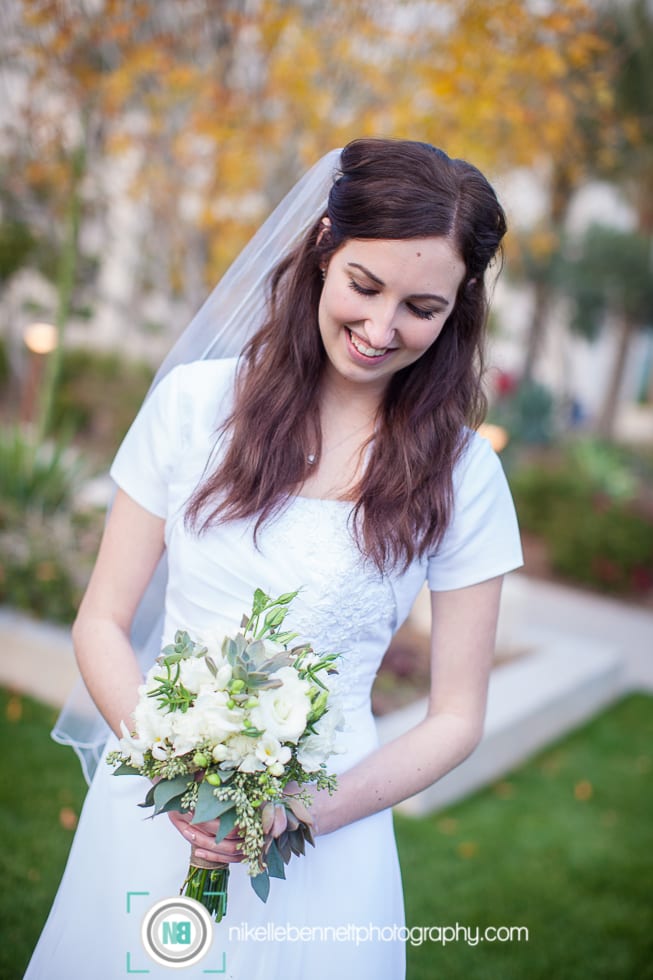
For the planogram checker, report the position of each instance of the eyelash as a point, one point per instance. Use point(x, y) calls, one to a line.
point(415, 310)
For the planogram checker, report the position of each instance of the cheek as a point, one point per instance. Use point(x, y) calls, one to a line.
point(340, 306)
point(419, 337)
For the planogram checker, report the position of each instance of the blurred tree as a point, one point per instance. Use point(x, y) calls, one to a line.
point(608, 275)
point(630, 26)
point(221, 106)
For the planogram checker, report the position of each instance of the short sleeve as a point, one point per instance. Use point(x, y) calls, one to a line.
point(144, 464)
point(482, 540)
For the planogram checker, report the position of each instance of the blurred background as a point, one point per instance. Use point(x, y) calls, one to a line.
point(142, 143)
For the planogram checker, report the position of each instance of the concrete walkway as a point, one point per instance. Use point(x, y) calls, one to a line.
point(580, 652)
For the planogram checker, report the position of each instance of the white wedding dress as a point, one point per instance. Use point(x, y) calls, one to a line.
point(122, 862)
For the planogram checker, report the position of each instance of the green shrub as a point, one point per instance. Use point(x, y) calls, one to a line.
point(584, 505)
point(97, 398)
point(46, 547)
point(32, 475)
point(527, 413)
point(45, 562)
point(604, 545)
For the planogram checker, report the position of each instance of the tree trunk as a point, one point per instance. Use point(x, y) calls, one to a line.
point(607, 415)
point(68, 263)
point(541, 307)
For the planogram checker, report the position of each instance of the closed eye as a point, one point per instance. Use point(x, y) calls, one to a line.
point(362, 290)
point(422, 314)
point(417, 311)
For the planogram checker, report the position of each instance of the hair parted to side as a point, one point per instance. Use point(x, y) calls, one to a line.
point(385, 189)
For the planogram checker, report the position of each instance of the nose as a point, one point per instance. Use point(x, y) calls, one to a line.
point(380, 325)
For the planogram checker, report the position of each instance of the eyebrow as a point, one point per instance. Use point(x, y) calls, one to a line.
point(380, 282)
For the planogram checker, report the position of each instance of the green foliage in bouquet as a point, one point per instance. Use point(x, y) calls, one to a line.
point(229, 730)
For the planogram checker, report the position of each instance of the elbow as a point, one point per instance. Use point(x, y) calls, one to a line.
point(471, 736)
point(466, 733)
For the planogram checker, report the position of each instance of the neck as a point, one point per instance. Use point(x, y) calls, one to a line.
point(358, 401)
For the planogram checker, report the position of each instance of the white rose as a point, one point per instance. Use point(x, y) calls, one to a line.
point(282, 711)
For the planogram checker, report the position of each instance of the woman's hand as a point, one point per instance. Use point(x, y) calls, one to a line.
point(202, 837)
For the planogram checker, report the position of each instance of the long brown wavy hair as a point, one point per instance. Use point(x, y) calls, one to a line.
point(385, 189)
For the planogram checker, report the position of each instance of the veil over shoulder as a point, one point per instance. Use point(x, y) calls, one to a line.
point(229, 317)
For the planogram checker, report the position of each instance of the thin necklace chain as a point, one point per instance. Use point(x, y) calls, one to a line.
point(350, 435)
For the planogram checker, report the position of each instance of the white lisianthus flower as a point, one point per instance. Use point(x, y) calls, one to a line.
point(194, 674)
point(187, 733)
point(251, 764)
point(270, 750)
point(223, 677)
point(240, 753)
point(272, 648)
point(213, 641)
point(133, 746)
point(159, 751)
point(282, 711)
point(152, 722)
point(316, 748)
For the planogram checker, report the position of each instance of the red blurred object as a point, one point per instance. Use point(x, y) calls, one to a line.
point(505, 383)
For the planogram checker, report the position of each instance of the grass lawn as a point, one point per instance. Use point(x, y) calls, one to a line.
point(563, 846)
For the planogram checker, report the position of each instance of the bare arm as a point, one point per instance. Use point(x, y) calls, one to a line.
point(131, 546)
point(463, 638)
point(130, 549)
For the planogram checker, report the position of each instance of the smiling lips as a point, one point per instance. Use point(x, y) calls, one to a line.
point(364, 349)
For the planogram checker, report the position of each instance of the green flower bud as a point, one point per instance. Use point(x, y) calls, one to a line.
point(201, 760)
point(213, 778)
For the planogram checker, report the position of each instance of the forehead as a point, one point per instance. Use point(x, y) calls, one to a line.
point(421, 262)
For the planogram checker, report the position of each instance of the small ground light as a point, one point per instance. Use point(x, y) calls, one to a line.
point(40, 340)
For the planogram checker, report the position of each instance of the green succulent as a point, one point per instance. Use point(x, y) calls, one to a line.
point(251, 663)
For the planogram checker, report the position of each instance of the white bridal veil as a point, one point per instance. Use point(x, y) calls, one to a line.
point(229, 317)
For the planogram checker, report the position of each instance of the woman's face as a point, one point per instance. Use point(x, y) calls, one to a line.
point(384, 303)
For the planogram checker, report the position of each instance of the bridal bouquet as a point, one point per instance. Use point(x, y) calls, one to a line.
point(222, 728)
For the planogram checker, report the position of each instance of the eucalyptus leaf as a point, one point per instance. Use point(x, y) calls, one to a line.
point(125, 770)
point(261, 885)
point(172, 804)
point(275, 862)
point(149, 799)
point(167, 789)
point(227, 823)
point(208, 807)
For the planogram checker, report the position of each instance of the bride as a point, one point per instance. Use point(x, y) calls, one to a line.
point(336, 455)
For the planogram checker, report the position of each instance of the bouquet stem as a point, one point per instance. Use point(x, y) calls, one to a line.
point(206, 882)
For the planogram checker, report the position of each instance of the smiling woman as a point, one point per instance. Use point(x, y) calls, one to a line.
point(383, 304)
point(335, 458)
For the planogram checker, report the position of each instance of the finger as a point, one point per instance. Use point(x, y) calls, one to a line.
point(229, 856)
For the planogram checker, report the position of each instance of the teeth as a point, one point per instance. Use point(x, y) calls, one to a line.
point(361, 347)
